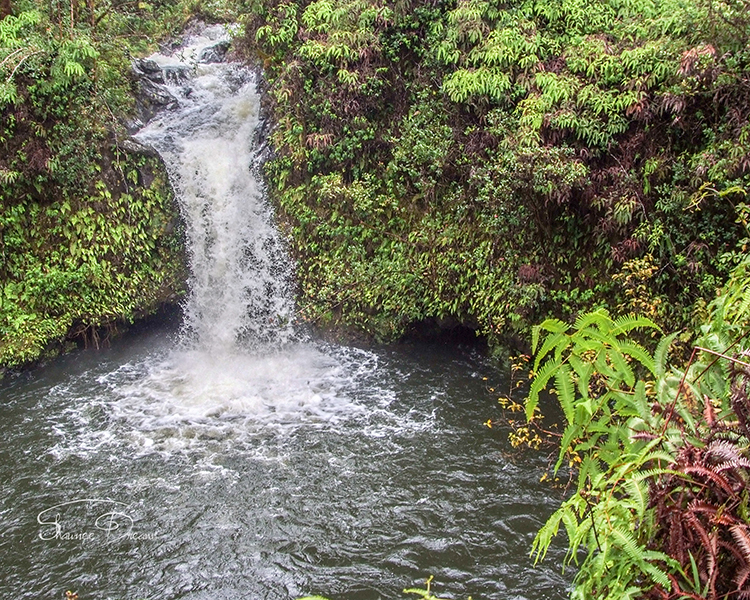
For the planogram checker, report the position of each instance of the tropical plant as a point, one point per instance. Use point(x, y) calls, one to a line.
point(659, 456)
point(489, 166)
point(87, 231)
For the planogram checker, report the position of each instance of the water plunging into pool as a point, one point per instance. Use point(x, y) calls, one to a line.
point(231, 457)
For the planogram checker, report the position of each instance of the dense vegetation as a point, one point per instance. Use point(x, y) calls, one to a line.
point(489, 164)
point(88, 236)
point(455, 162)
point(463, 162)
point(658, 455)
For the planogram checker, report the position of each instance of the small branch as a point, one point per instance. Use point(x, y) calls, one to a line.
point(11, 55)
point(20, 62)
point(593, 523)
point(720, 355)
point(690, 362)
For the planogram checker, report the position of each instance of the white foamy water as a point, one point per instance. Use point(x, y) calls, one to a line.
point(191, 396)
point(240, 286)
point(240, 361)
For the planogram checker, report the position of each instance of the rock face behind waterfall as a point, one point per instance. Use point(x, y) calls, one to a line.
point(203, 119)
point(153, 93)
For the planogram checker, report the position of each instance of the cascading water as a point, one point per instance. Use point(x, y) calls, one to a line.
point(234, 461)
point(240, 285)
point(239, 355)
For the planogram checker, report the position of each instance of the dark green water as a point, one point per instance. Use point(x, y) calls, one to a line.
point(316, 469)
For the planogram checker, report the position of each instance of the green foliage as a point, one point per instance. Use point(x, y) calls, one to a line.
point(71, 267)
point(605, 407)
point(659, 456)
point(508, 162)
point(87, 232)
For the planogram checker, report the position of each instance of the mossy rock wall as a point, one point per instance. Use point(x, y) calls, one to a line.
point(89, 230)
point(73, 269)
point(490, 164)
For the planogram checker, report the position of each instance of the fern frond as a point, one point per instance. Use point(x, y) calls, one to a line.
point(598, 317)
point(589, 471)
point(697, 526)
point(711, 474)
point(622, 369)
point(653, 474)
point(628, 323)
point(565, 391)
point(742, 576)
point(724, 450)
point(741, 535)
point(636, 351)
point(638, 491)
point(544, 536)
point(550, 326)
point(627, 543)
point(660, 356)
point(583, 371)
point(550, 342)
point(639, 402)
point(540, 383)
point(659, 456)
point(657, 575)
point(742, 463)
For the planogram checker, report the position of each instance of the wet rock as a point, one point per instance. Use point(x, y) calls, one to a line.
point(150, 98)
point(215, 53)
point(145, 67)
point(176, 74)
point(135, 147)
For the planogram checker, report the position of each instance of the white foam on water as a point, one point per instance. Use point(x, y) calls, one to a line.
point(192, 386)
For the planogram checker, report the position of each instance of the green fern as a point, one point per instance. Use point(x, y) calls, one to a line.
point(611, 435)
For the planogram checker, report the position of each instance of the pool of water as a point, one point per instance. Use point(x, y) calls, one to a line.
point(152, 471)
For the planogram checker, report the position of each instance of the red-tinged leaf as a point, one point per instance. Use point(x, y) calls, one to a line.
point(717, 478)
point(741, 535)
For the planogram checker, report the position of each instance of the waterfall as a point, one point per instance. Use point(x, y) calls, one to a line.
point(240, 285)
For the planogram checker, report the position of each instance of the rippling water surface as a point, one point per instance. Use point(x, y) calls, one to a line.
point(318, 469)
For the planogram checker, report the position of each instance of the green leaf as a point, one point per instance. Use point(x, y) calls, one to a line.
point(623, 370)
point(549, 325)
point(598, 317)
point(540, 383)
point(628, 323)
point(637, 352)
point(550, 342)
point(660, 356)
point(565, 391)
point(638, 491)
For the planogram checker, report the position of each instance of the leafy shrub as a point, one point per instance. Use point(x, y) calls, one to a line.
point(575, 138)
point(660, 455)
point(87, 232)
